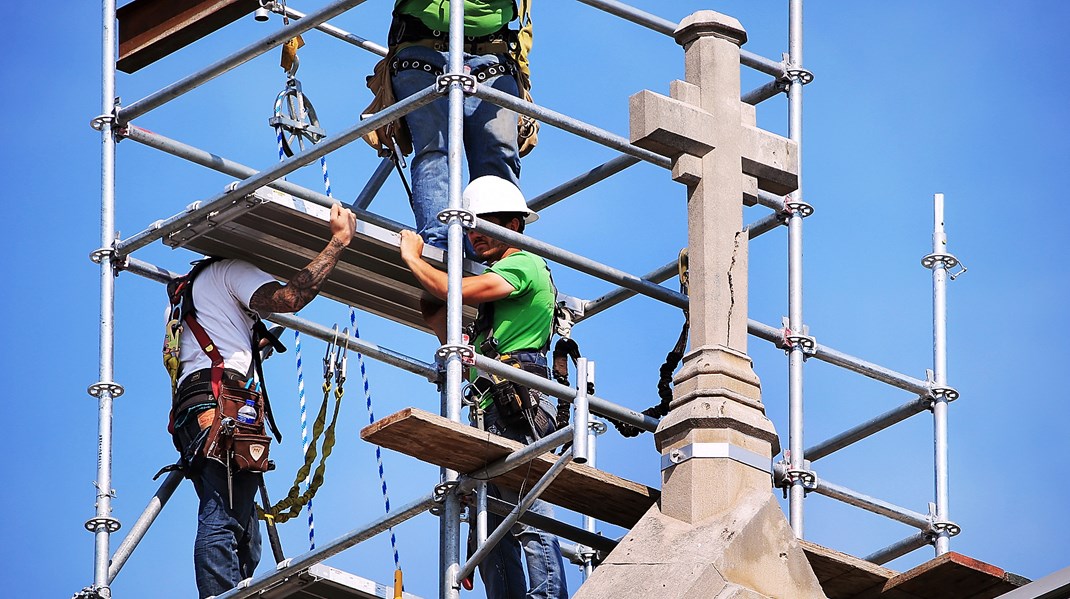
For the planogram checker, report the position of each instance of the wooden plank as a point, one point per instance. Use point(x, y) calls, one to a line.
point(579, 487)
point(951, 575)
point(844, 576)
point(152, 29)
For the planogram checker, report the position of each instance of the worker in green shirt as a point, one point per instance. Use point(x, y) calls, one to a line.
point(419, 40)
point(516, 298)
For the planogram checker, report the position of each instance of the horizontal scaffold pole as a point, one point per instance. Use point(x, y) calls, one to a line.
point(764, 92)
point(667, 27)
point(827, 354)
point(371, 350)
point(567, 123)
point(285, 167)
point(899, 549)
point(872, 504)
point(765, 224)
point(578, 184)
point(235, 169)
point(867, 429)
point(597, 404)
point(333, 31)
point(554, 526)
point(256, 585)
point(620, 294)
point(581, 263)
point(165, 95)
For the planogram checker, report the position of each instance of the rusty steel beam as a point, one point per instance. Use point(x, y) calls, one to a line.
point(152, 29)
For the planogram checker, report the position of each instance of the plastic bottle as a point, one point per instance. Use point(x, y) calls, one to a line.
point(247, 413)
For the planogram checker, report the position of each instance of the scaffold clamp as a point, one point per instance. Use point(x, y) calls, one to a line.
point(110, 524)
point(99, 388)
point(945, 261)
point(466, 217)
point(801, 75)
point(93, 593)
point(784, 476)
point(799, 207)
point(439, 495)
point(798, 340)
point(443, 82)
point(467, 353)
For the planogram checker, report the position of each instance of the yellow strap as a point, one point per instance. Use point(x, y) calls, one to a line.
point(681, 267)
point(526, 38)
point(397, 584)
point(289, 53)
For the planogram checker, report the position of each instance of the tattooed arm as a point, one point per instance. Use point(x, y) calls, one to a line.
point(303, 286)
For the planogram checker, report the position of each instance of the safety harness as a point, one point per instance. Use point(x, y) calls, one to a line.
point(236, 441)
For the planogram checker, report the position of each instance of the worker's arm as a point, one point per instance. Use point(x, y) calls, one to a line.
point(487, 287)
point(305, 285)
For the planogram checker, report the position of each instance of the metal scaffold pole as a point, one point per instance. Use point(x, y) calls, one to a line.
point(449, 587)
point(105, 390)
point(796, 351)
point(940, 401)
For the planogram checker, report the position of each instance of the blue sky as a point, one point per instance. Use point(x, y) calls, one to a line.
point(910, 98)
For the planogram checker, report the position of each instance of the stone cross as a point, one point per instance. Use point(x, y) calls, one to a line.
point(717, 531)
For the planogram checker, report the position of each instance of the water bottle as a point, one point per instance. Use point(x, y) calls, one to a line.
point(247, 413)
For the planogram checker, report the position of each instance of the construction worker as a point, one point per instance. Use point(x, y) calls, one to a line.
point(230, 295)
point(516, 298)
point(418, 37)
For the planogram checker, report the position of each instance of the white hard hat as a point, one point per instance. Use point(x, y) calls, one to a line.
point(489, 194)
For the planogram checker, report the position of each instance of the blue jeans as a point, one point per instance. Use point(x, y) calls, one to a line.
point(227, 546)
point(489, 137)
point(501, 571)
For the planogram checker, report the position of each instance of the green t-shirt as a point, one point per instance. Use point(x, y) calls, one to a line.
point(481, 17)
point(523, 319)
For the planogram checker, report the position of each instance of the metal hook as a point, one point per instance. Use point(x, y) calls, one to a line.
point(342, 359)
point(329, 357)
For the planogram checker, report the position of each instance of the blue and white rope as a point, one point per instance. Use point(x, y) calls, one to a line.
point(371, 420)
point(304, 432)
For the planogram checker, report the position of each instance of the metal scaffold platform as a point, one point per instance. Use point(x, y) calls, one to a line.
point(278, 226)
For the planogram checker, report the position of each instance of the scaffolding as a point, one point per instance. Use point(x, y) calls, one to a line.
point(239, 222)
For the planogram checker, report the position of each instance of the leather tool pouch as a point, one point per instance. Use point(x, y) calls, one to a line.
point(244, 446)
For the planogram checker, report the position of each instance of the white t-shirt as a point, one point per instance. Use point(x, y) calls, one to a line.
point(221, 294)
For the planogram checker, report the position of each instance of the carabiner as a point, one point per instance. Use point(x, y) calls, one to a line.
point(342, 359)
point(330, 357)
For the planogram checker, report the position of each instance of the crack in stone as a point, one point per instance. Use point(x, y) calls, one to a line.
point(731, 289)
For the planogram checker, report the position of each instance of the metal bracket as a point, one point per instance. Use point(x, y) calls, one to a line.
point(948, 393)
point(716, 450)
point(111, 524)
point(98, 255)
point(93, 593)
point(801, 340)
point(98, 122)
point(798, 206)
point(443, 82)
point(439, 494)
point(468, 219)
point(99, 388)
point(945, 261)
point(597, 427)
point(801, 75)
point(938, 527)
point(784, 476)
point(467, 353)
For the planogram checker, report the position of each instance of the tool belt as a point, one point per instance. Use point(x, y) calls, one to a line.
point(239, 446)
point(517, 406)
point(405, 30)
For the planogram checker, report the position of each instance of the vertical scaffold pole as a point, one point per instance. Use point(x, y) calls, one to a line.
point(943, 539)
point(451, 397)
point(796, 355)
point(105, 390)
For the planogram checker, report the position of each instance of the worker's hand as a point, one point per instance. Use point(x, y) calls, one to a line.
point(412, 246)
point(343, 223)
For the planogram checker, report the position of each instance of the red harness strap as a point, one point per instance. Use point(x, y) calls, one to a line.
point(211, 350)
